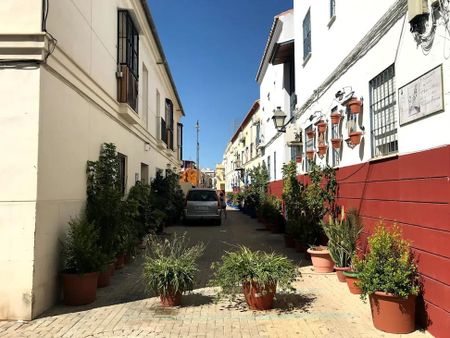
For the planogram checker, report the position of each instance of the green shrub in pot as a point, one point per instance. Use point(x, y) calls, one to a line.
point(171, 266)
point(388, 275)
point(343, 233)
point(81, 262)
point(254, 272)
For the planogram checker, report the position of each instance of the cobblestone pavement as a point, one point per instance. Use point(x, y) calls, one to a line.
point(321, 306)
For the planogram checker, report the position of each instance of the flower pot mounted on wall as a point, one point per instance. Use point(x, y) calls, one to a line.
point(355, 138)
point(310, 154)
point(336, 117)
point(336, 143)
point(322, 126)
point(298, 159)
point(355, 105)
point(310, 134)
point(322, 149)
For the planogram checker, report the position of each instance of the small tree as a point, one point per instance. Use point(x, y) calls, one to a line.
point(103, 205)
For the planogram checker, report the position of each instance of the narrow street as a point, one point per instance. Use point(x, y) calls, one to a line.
point(321, 306)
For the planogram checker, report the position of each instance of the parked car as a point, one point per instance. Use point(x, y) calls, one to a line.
point(202, 204)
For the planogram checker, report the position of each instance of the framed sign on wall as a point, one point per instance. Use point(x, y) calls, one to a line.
point(421, 97)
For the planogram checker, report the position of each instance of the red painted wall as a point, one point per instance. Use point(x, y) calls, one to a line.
point(414, 191)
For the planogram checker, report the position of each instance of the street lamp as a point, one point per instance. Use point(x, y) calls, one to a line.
point(278, 120)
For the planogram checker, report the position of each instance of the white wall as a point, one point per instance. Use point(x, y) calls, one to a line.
point(331, 45)
point(19, 100)
point(55, 118)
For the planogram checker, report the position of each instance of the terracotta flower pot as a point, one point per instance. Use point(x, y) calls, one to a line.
point(289, 241)
point(322, 149)
point(322, 126)
point(336, 118)
point(321, 259)
point(79, 289)
point(355, 106)
point(355, 137)
point(104, 277)
point(310, 134)
point(340, 273)
point(336, 143)
point(120, 261)
point(259, 298)
point(393, 314)
point(171, 299)
point(298, 159)
point(310, 154)
point(351, 278)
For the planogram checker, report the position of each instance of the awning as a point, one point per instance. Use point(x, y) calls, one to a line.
point(283, 53)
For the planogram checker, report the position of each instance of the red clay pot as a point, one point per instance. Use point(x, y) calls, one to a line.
point(336, 143)
point(298, 159)
point(120, 261)
point(340, 273)
point(321, 259)
point(259, 298)
point(393, 314)
point(289, 241)
point(79, 289)
point(351, 278)
point(322, 149)
point(310, 154)
point(104, 277)
point(355, 106)
point(171, 299)
point(322, 126)
point(127, 258)
point(355, 137)
point(310, 134)
point(335, 118)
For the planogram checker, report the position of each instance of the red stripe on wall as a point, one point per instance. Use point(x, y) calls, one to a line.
point(414, 191)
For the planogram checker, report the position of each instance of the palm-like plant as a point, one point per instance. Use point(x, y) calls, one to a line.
point(343, 233)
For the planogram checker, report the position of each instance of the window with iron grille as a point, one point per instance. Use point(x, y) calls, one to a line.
point(332, 8)
point(274, 165)
point(127, 59)
point(268, 167)
point(307, 35)
point(383, 113)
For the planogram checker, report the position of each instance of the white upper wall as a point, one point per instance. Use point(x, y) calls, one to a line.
point(86, 31)
point(20, 16)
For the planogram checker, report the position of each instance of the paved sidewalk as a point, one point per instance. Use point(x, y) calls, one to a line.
point(321, 306)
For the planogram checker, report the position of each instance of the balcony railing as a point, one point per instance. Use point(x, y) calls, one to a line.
point(127, 87)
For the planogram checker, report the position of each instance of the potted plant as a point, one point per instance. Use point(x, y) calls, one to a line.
point(388, 275)
point(352, 279)
point(336, 143)
point(310, 133)
point(82, 261)
point(310, 154)
point(336, 117)
point(170, 267)
point(343, 233)
point(321, 126)
point(355, 137)
point(322, 149)
point(257, 273)
point(355, 105)
point(321, 259)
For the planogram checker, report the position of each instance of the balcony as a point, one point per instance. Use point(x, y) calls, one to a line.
point(127, 88)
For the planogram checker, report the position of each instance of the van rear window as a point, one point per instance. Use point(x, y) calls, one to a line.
point(202, 195)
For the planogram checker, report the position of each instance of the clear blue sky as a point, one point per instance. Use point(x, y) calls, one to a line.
point(214, 48)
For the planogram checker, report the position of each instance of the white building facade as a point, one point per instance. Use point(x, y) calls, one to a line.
point(372, 101)
point(73, 75)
